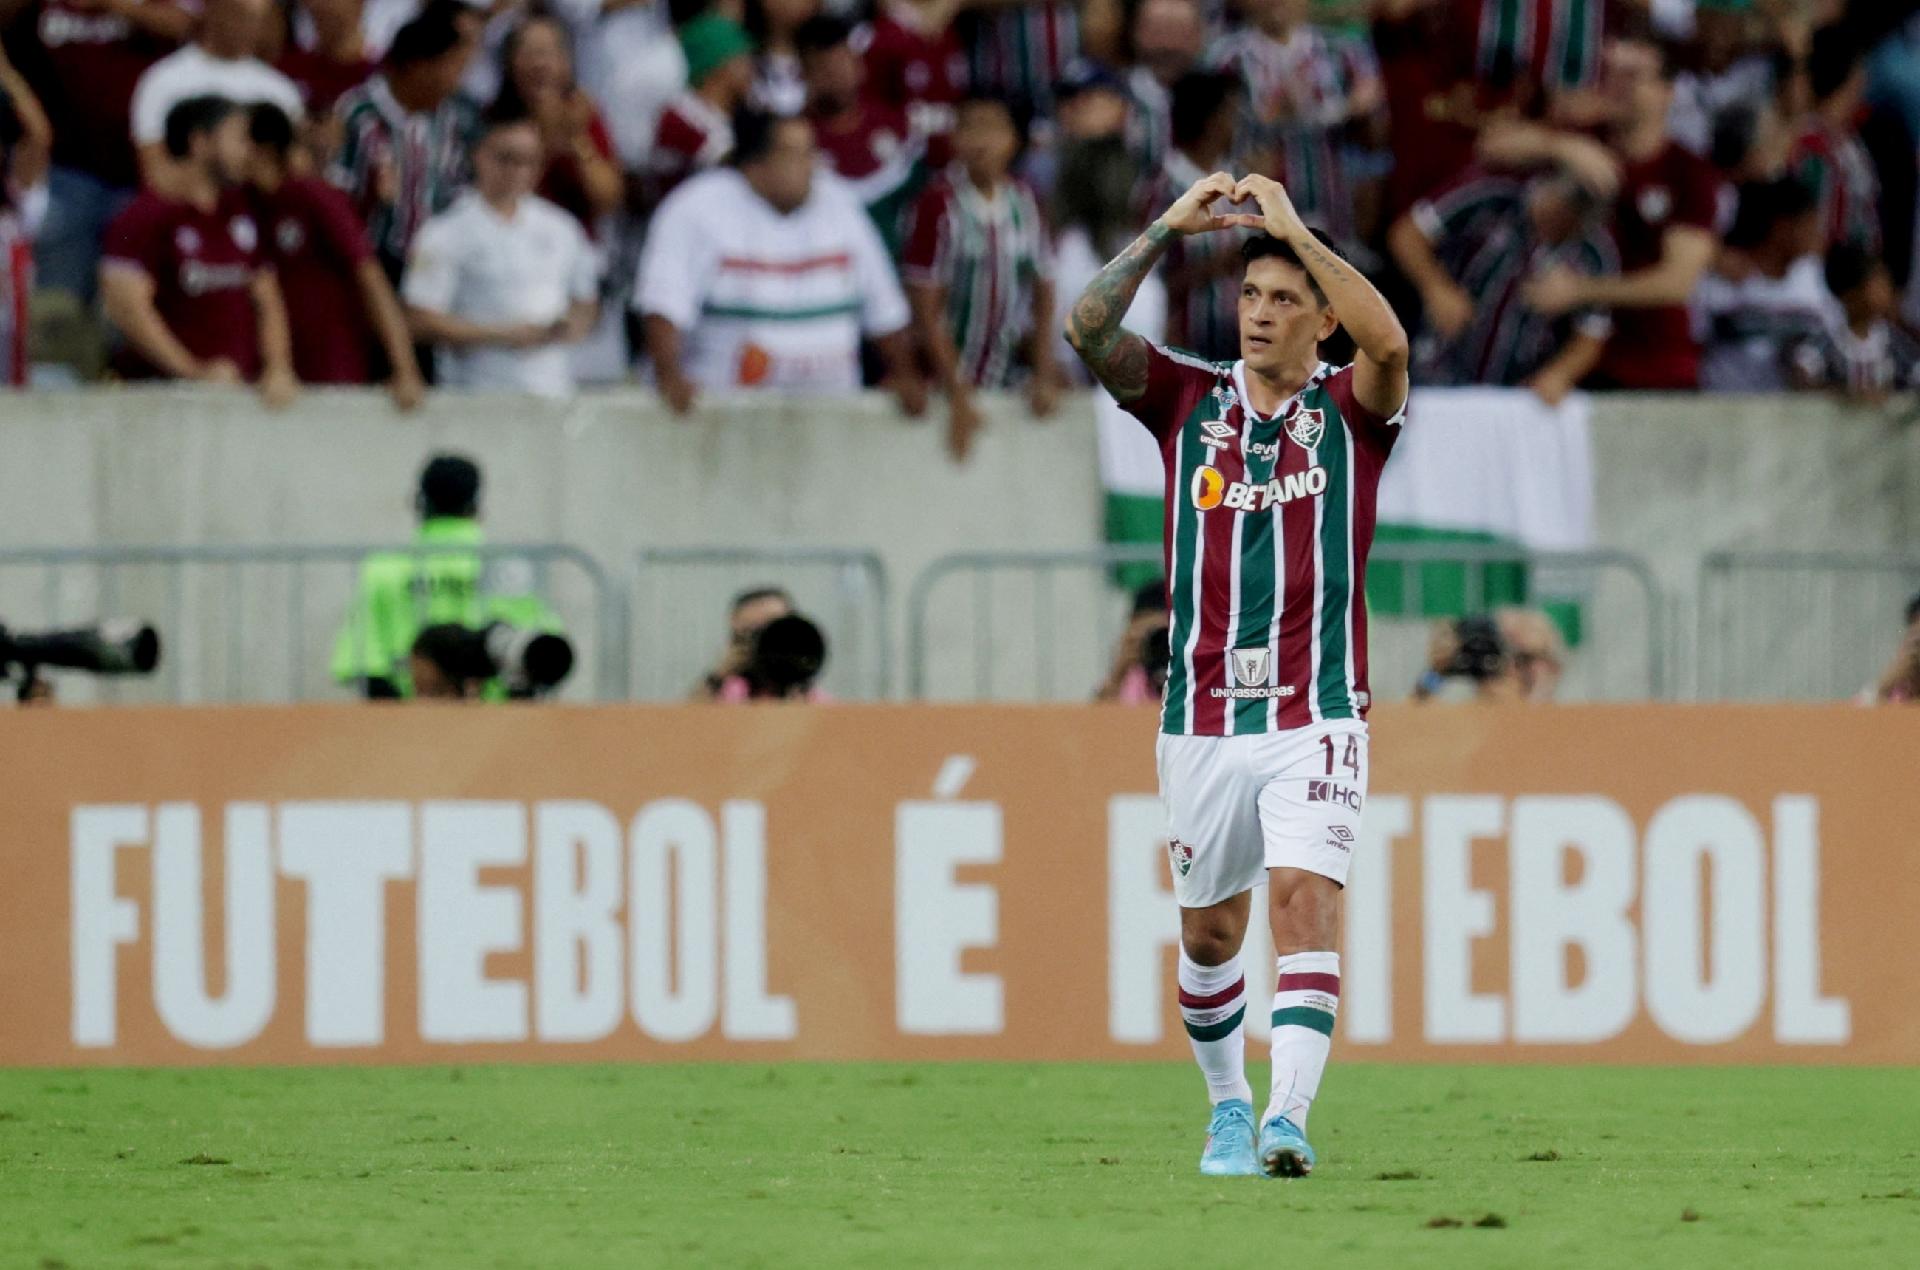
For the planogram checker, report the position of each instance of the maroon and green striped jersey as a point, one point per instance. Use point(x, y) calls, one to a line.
point(987, 253)
point(1268, 526)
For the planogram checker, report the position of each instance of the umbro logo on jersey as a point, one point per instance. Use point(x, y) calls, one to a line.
point(1210, 489)
point(1216, 434)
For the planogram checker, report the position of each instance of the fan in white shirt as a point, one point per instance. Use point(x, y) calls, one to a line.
point(766, 273)
point(503, 281)
point(219, 63)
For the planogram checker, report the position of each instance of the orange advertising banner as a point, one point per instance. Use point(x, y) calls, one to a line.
point(432, 884)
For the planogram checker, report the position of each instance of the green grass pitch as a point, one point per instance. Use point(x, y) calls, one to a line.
point(950, 1164)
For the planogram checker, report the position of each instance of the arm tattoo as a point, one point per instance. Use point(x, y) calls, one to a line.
point(1116, 356)
point(1330, 266)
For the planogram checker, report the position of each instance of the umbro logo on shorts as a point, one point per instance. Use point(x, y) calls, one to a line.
point(1342, 839)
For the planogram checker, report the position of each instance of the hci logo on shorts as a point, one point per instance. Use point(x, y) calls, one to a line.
point(1329, 792)
point(1252, 666)
point(1182, 856)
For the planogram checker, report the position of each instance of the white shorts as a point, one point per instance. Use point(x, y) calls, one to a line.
point(1240, 805)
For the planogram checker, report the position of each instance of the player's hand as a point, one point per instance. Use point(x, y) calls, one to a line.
point(1449, 309)
point(1277, 216)
point(1191, 213)
point(909, 391)
point(278, 387)
point(1552, 291)
point(963, 423)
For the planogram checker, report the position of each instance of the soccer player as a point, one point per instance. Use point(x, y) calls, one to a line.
point(1273, 462)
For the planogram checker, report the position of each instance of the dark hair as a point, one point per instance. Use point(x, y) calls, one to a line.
point(1019, 118)
point(681, 12)
point(191, 118)
point(1150, 597)
point(1763, 205)
point(454, 649)
point(1913, 609)
point(510, 91)
point(753, 594)
point(449, 486)
point(1832, 58)
point(820, 33)
point(1196, 101)
point(1849, 265)
point(1267, 247)
point(433, 32)
point(505, 112)
point(270, 129)
point(753, 132)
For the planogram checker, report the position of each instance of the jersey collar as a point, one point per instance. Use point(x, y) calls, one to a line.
point(1320, 372)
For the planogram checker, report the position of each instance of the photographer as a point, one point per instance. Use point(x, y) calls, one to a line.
point(774, 654)
point(1138, 675)
point(1514, 654)
point(447, 581)
point(498, 662)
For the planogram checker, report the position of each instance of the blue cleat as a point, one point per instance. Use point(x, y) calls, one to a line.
point(1229, 1150)
point(1283, 1149)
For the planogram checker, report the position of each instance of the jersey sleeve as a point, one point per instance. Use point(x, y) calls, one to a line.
point(924, 259)
point(675, 261)
point(134, 239)
point(883, 305)
point(346, 237)
point(432, 279)
point(1696, 197)
point(1377, 430)
point(1175, 383)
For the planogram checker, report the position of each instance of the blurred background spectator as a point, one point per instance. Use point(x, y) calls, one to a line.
point(1762, 312)
point(184, 279)
point(1900, 681)
point(1647, 124)
point(222, 62)
point(503, 281)
point(406, 133)
point(979, 273)
point(350, 320)
point(764, 275)
point(1141, 658)
point(26, 143)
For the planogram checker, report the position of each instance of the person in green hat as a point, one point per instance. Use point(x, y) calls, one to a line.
point(696, 129)
point(401, 592)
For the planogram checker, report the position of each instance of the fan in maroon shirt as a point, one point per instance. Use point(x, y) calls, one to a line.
point(1665, 220)
point(915, 64)
point(182, 275)
point(865, 141)
point(327, 270)
point(83, 60)
point(337, 61)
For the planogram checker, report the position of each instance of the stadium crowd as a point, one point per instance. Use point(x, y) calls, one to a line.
point(535, 194)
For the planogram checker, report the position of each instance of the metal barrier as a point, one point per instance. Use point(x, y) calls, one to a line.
point(228, 634)
point(1800, 625)
point(682, 596)
point(1608, 602)
point(1610, 597)
point(1083, 642)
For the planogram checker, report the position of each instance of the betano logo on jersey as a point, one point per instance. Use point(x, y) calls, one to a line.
point(1211, 489)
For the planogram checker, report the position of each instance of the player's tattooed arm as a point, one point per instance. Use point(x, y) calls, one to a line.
point(1116, 356)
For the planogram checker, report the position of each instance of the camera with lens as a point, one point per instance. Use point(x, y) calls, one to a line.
point(114, 646)
point(450, 660)
point(784, 658)
point(1480, 652)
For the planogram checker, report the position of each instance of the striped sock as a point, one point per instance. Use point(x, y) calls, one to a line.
point(1213, 1004)
point(1304, 1002)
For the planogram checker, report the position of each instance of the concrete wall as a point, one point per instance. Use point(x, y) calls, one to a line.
point(612, 473)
